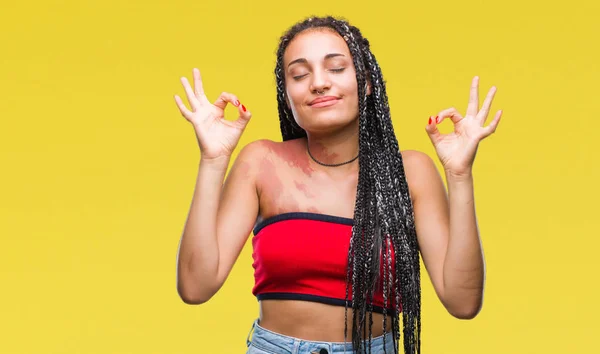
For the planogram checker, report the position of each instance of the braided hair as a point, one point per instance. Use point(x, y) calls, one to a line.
point(383, 215)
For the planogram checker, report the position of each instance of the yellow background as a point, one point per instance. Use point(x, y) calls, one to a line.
point(98, 168)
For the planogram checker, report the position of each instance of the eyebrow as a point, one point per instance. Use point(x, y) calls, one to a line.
point(328, 56)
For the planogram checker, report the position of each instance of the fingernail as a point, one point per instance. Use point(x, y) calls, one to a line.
point(429, 120)
point(437, 120)
point(244, 108)
point(237, 103)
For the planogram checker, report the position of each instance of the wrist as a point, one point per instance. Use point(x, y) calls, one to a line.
point(463, 176)
point(219, 162)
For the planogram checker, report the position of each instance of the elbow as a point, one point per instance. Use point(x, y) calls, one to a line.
point(193, 294)
point(192, 299)
point(463, 305)
point(465, 315)
point(465, 312)
point(195, 288)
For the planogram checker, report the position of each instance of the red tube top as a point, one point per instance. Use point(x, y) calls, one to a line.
point(304, 256)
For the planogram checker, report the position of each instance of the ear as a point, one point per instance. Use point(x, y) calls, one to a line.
point(368, 83)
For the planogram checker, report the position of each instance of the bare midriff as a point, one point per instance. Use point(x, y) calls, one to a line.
point(313, 321)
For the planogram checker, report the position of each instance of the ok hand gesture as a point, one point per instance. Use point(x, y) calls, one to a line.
point(217, 137)
point(457, 150)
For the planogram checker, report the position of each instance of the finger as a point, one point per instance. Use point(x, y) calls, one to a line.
point(182, 108)
point(485, 108)
point(225, 97)
point(244, 117)
point(189, 93)
point(451, 113)
point(473, 106)
point(491, 128)
point(198, 87)
point(432, 130)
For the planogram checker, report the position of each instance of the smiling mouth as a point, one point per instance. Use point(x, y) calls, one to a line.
point(327, 103)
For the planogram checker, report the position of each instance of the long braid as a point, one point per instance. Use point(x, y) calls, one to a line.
point(406, 236)
point(383, 216)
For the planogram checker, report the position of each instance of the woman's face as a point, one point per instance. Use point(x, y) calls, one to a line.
point(321, 87)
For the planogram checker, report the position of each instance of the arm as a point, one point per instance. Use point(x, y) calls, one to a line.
point(219, 222)
point(464, 266)
point(221, 216)
point(447, 235)
point(447, 226)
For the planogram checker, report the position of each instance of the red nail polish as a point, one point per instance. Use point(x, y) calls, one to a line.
point(429, 120)
point(436, 119)
point(244, 108)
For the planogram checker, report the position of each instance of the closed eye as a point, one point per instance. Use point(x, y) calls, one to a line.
point(336, 70)
point(299, 77)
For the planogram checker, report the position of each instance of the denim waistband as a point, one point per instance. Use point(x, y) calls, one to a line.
point(268, 341)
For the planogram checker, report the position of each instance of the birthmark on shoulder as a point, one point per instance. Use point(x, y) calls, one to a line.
point(270, 181)
point(294, 157)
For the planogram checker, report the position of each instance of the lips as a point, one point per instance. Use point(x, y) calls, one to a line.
point(323, 99)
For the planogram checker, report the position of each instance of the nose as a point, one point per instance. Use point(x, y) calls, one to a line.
point(320, 82)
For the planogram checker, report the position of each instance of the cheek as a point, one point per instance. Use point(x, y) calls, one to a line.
point(295, 95)
point(295, 90)
point(350, 86)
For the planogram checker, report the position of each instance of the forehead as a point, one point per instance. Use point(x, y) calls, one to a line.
point(314, 44)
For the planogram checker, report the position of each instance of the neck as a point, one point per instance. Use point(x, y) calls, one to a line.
point(334, 148)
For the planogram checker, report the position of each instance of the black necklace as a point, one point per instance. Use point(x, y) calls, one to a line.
point(327, 164)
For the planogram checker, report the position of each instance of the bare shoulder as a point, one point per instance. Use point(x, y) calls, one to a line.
point(265, 146)
point(252, 153)
point(246, 165)
point(256, 148)
point(264, 154)
point(420, 170)
point(416, 161)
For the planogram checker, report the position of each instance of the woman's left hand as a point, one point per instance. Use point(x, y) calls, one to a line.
point(457, 150)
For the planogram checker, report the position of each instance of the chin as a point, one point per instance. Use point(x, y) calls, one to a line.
point(325, 122)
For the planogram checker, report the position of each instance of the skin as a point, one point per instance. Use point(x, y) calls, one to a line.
point(270, 178)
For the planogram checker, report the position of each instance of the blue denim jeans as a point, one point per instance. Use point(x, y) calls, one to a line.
point(267, 342)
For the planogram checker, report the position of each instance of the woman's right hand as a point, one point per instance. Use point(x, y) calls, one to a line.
point(217, 137)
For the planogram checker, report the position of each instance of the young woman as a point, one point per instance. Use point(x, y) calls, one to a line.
point(339, 213)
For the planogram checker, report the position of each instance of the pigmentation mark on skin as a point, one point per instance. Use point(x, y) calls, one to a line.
point(314, 210)
point(304, 189)
point(321, 151)
point(294, 158)
point(269, 179)
point(288, 204)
